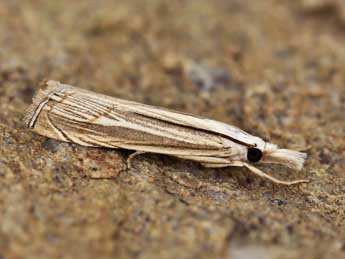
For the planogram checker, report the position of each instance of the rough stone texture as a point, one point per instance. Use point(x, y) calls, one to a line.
point(273, 68)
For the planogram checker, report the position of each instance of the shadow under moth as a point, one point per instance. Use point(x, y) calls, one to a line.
point(72, 114)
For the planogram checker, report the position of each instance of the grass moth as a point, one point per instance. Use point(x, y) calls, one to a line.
point(71, 114)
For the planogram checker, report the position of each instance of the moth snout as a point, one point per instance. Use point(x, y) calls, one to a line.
point(290, 158)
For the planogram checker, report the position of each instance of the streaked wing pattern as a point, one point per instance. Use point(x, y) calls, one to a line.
point(79, 117)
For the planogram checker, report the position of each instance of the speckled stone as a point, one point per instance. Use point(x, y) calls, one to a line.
point(273, 68)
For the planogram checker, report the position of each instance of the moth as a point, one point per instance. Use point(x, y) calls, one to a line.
point(72, 114)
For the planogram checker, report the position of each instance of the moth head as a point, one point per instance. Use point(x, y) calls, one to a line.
point(271, 153)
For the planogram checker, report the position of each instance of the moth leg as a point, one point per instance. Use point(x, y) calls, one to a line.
point(272, 179)
point(132, 156)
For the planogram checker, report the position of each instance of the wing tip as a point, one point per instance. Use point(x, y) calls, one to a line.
point(46, 87)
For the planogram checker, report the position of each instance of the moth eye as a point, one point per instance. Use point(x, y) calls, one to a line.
point(254, 154)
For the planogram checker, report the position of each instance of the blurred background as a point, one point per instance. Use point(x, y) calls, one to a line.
point(275, 68)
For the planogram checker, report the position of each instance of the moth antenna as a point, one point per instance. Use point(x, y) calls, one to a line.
point(272, 179)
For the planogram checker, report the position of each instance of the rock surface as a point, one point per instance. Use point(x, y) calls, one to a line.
point(273, 68)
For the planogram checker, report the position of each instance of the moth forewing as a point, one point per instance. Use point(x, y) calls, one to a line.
point(75, 115)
